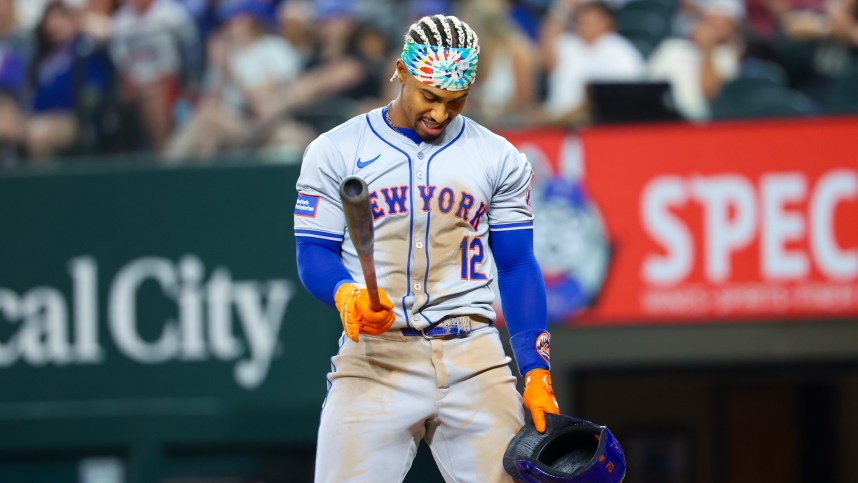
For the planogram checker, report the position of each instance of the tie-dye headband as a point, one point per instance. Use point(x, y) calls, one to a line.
point(452, 69)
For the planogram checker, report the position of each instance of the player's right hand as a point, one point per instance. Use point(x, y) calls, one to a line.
point(356, 314)
point(539, 397)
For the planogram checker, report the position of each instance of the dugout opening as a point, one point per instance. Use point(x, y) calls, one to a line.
point(737, 424)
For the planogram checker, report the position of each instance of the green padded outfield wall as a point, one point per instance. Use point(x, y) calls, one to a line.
point(147, 312)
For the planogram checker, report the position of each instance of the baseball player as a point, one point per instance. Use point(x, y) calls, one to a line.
point(450, 204)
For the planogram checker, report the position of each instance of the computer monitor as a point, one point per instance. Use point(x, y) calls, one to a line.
point(631, 102)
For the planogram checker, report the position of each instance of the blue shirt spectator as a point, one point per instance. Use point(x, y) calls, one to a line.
point(64, 75)
point(69, 78)
point(13, 73)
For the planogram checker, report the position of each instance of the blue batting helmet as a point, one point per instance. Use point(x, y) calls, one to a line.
point(570, 450)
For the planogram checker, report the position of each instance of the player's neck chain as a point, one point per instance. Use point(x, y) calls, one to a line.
point(389, 121)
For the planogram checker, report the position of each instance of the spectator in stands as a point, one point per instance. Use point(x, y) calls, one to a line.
point(527, 16)
point(29, 12)
point(691, 11)
point(204, 13)
point(768, 18)
point(248, 67)
point(507, 64)
point(68, 76)
point(698, 66)
point(423, 8)
point(373, 51)
point(12, 34)
point(829, 37)
point(295, 18)
point(335, 23)
point(594, 51)
point(97, 19)
point(153, 40)
point(354, 53)
point(843, 18)
point(341, 72)
point(14, 59)
point(788, 33)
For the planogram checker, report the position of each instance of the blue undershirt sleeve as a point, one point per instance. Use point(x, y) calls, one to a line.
point(522, 291)
point(320, 268)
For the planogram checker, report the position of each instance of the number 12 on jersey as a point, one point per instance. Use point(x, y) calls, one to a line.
point(473, 254)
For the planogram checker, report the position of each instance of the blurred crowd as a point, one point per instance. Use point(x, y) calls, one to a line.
point(191, 79)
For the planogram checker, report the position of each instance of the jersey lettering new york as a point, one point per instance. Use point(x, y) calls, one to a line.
point(448, 201)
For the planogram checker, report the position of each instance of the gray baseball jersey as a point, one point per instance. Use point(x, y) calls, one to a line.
point(433, 205)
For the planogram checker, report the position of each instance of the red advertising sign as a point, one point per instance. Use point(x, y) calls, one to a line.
point(734, 221)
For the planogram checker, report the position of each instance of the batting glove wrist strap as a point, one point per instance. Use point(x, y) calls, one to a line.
point(340, 284)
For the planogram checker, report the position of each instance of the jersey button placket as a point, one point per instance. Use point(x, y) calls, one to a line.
point(419, 265)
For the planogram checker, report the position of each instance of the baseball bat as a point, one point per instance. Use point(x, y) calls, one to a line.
point(355, 197)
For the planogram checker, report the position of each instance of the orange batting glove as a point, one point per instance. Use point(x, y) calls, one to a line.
point(539, 397)
point(356, 314)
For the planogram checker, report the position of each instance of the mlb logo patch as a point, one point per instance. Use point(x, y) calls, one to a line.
point(306, 206)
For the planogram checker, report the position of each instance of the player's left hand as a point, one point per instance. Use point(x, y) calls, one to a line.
point(357, 315)
point(539, 397)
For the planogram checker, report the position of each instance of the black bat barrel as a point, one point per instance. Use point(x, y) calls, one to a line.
point(354, 194)
point(355, 197)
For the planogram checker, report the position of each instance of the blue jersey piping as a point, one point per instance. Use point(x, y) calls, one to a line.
point(411, 220)
point(505, 226)
point(330, 384)
point(429, 218)
point(302, 231)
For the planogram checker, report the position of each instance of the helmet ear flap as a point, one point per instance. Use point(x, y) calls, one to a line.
point(570, 450)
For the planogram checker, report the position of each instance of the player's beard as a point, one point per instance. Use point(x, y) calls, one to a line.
point(429, 130)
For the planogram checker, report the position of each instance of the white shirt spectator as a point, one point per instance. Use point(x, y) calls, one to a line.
point(28, 12)
point(497, 86)
point(149, 46)
point(610, 58)
point(268, 60)
point(684, 20)
point(678, 61)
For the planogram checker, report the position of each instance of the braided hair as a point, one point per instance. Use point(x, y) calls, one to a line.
point(442, 31)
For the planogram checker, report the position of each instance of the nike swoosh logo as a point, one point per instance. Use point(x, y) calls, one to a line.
point(364, 164)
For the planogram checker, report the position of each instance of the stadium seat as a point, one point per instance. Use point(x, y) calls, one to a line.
point(645, 26)
point(842, 94)
point(646, 30)
point(746, 98)
point(760, 91)
point(665, 8)
point(765, 71)
point(797, 59)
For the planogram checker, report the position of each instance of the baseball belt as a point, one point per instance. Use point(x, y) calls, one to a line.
point(455, 326)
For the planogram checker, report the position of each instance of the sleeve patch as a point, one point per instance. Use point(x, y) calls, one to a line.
point(307, 206)
point(543, 346)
